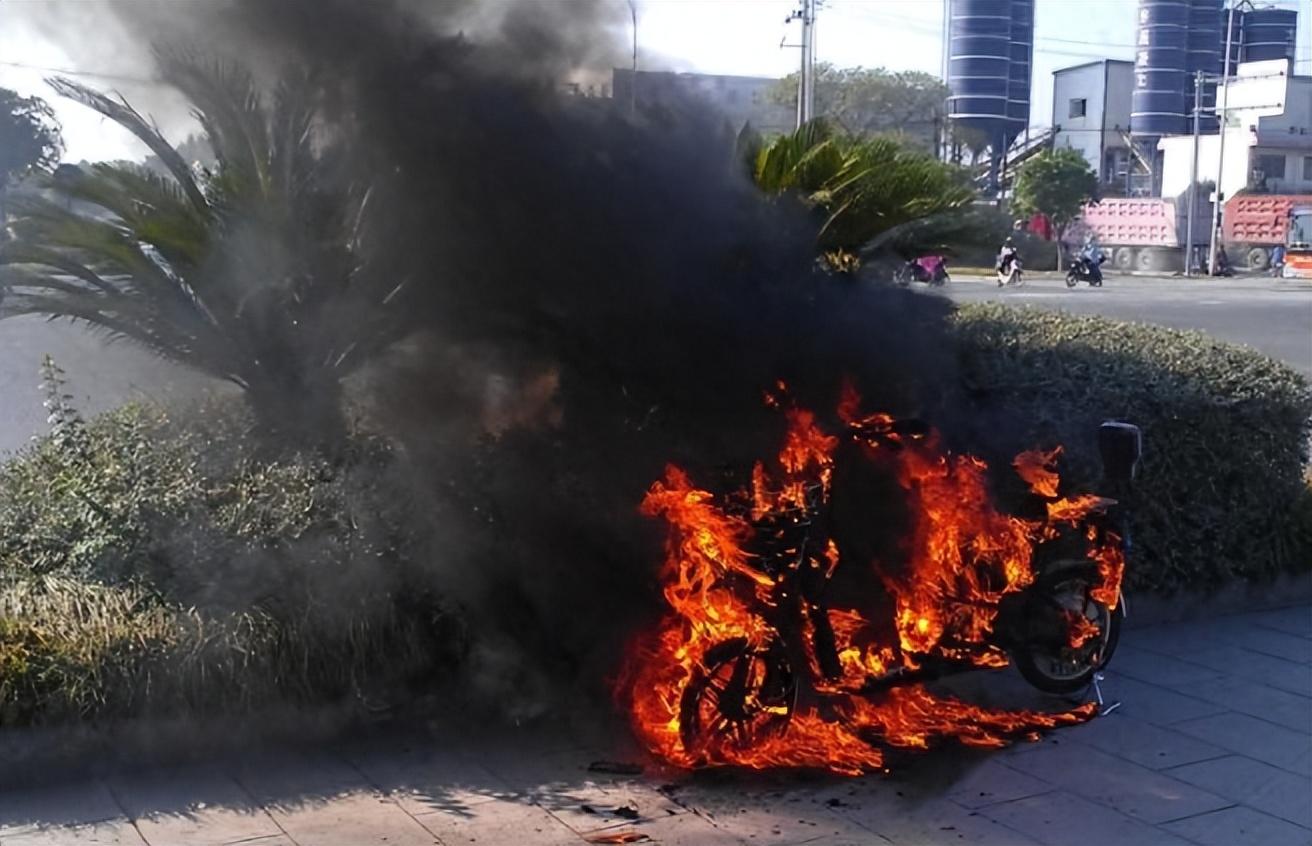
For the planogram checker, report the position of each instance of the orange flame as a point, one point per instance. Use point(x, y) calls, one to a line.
point(1039, 470)
point(718, 684)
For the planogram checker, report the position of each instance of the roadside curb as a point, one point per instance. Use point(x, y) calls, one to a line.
point(1150, 609)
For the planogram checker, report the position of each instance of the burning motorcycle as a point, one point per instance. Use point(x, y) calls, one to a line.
point(762, 667)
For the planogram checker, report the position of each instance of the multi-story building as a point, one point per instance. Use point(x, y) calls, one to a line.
point(1269, 154)
point(1091, 113)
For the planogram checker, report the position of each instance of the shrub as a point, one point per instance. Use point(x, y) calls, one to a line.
point(78, 509)
point(150, 565)
point(70, 649)
point(1221, 492)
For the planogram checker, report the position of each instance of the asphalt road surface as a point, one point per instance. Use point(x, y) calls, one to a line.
point(1271, 315)
point(101, 375)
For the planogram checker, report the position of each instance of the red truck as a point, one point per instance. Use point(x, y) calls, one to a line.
point(1148, 233)
point(1254, 223)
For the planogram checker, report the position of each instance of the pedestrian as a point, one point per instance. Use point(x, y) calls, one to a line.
point(1277, 260)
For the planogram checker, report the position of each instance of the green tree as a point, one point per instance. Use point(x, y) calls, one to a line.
point(874, 100)
point(1056, 184)
point(870, 193)
point(257, 271)
point(29, 142)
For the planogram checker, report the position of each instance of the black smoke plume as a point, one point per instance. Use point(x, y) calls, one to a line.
point(615, 275)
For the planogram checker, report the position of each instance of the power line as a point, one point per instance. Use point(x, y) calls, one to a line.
point(113, 77)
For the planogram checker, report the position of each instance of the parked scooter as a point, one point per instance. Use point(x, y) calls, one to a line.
point(932, 270)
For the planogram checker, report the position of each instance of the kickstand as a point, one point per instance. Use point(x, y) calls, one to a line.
point(1103, 708)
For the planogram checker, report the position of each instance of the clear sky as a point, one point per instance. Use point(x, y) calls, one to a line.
point(714, 36)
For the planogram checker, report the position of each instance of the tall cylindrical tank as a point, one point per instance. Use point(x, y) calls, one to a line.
point(1018, 78)
point(1205, 46)
point(1160, 69)
point(1269, 34)
point(979, 65)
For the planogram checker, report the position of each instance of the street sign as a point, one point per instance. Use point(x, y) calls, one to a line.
point(1259, 89)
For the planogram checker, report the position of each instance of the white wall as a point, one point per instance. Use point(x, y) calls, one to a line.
point(1288, 135)
point(1120, 92)
point(1240, 160)
point(1080, 133)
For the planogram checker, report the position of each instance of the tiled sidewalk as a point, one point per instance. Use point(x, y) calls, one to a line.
point(1212, 745)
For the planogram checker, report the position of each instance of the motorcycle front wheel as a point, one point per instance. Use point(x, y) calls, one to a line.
point(740, 695)
point(1070, 667)
point(1071, 279)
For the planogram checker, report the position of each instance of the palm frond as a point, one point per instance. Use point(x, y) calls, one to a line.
point(152, 206)
point(131, 120)
point(20, 253)
point(228, 104)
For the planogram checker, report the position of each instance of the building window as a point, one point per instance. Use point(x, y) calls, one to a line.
point(1307, 168)
point(1272, 167)
point(1079, 107)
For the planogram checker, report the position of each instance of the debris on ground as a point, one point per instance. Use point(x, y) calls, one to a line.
point(615, 768)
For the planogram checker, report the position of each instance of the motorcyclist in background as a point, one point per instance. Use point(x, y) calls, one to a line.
point(1006, 255)
point(1091, 252)
point(1008, 265)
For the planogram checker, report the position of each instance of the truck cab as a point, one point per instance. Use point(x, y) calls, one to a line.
point(1298, 243)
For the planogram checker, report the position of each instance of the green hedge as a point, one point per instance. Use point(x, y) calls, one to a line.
point(1223, 491)
point(156, 566)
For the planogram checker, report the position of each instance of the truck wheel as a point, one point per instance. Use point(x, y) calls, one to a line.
point(1144, 260)
point(1123, 259)
point(1258, 258)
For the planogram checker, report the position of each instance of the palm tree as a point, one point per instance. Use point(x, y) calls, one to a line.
point(871, 192)
point(254, 271)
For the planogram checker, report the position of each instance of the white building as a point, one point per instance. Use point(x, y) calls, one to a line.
point(1270, 155)
point(1091, 113)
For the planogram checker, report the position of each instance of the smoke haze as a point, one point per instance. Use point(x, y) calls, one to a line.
point(614, 282)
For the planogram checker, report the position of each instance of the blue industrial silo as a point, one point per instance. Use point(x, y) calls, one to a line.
point(1161, 72)
point(1018, 78)
point(979, 70)
point(1205, 48)
point(1269, 33)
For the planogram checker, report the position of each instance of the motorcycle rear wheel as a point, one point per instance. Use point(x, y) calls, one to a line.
point(1071, 669)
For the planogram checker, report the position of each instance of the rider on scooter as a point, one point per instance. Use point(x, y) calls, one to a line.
point(1091, 258)
point(1005, 256)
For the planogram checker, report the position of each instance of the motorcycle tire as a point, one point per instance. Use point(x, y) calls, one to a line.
point(740, 695)
point(1041, 669)
point(1071, 279)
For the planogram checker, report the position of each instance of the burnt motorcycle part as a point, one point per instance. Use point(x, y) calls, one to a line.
point(739, 695)
point(1121, 446)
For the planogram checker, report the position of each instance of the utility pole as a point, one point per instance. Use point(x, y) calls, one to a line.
point(806, 76)
point(633, 83)
point(1223, 102)
point(1193, 179)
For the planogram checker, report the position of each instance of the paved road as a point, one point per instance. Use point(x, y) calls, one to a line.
point(1212, 746)
point(100, 375)
point(1273, 316)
